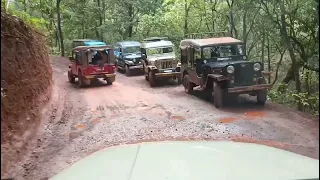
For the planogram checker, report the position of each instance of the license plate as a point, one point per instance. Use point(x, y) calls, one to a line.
point(168, 71)
point(99, 69)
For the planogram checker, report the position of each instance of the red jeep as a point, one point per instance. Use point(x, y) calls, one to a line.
point(89, 63)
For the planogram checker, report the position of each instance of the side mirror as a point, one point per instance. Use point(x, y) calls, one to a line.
point(71, 58)
point(143, 56)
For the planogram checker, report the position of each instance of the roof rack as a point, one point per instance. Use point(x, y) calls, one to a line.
point(78, 48)
point(154, 39)
point(207, 35)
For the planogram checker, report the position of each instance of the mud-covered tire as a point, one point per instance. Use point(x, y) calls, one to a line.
point(128, 73)
point(71, 78)
point(146, 77)
point(188, 86)
point(262, 97)
point(262, 94)
point(152, 79)
point(80, 80)
point(179, 80)
point(109, 82)
point(218, 95)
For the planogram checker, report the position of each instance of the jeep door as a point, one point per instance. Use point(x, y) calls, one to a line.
point(76, 62)
point(192, 65)
point(117, 54)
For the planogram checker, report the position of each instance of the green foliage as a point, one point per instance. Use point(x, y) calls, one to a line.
point(282, 95)
point(39, 23)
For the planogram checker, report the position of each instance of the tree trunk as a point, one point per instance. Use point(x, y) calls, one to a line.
point(131, 15)
point(233, 29)
point(278, 66)
point(186, 15)
point(59, 28)
point(262, 46)
point(100, 20)
point(24, 5)
point(286, 40)
point(244, 31)
point(269, 58)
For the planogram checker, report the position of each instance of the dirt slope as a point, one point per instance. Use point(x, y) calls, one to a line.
point(26, 79)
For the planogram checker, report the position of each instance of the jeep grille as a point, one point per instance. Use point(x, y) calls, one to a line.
point(243, 74)
point(165, 64)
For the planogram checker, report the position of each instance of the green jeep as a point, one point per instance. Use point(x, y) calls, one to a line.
point(219, 65)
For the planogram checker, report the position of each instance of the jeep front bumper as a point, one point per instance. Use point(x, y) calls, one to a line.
point(167, 74)
point(244, 89)
point(136, 67)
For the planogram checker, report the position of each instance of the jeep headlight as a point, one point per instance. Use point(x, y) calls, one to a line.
point(128, 62)
point(256, 67)
point(230, 69)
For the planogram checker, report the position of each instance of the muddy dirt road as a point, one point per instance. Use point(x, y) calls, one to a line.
point(85, 120)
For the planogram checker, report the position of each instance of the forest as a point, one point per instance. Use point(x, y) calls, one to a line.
point(282, 34)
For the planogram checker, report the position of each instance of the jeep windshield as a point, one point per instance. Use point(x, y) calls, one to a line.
point(131, 50)
point(162, 50)
point(222, 52)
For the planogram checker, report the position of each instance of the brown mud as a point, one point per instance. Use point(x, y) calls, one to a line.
point(26, 79)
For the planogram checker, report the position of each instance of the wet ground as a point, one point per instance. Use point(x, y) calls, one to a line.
point(81, 121)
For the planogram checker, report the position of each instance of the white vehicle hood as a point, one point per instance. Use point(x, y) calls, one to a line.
point(193, 160)
point(161, 57)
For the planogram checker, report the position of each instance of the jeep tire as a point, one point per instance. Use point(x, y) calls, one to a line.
point(71, 77)
point(262, 94)
point(218, 95)
point(127, 71)
point(188, 86)
point(152, 79)
point(179, 80)
point(80, 80)
point(109, 82)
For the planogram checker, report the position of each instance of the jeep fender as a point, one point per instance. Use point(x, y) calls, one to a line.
point(217, 77)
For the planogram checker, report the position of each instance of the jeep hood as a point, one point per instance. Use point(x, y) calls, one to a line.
point(132, 56)
point(192, 160)
point(161, 57)
point(221, 64)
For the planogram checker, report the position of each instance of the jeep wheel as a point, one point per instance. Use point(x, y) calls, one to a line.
point(262, 97)
point(109, 82)
point(152, 79)
point(188, 86)
point(127, 70)
point(71, 77)
point(262, 94)
point(179, 80)
point(218, 95)
point(80, 80)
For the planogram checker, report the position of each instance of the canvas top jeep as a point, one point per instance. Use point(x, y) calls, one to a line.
point(219, 65)
point(159, 60)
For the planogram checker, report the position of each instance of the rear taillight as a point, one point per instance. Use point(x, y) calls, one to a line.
point(113, 67)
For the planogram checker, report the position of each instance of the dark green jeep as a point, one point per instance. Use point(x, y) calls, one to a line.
point(218, 65)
